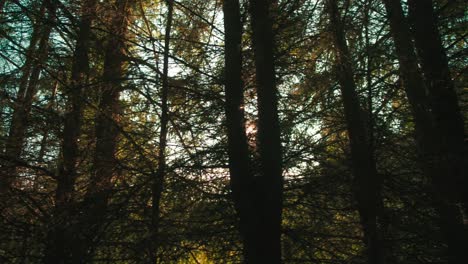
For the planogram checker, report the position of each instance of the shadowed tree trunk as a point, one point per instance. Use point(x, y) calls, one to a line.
point(443, 101)
point(268, 186)
point(438, 121)
point(241, 175)
point(158, 180)
point(59, 242)
point(35, 60)
point(410, 73)
point(107, 121)
point(367, 182)
point(8, 169)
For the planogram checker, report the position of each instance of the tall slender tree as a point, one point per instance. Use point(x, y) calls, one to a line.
point(410, 72)
point(107, 132)
point(158, 180)
point(367, 182)
point(240, 170)
point(438, 121)
point(60, 242)
point(269, 184)
point(448, 119)
point(36, 56)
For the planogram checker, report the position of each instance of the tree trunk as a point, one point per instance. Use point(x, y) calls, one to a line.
point(35, 60)
point(440, 155)
point(268, 185)
point(443, 101)
point(158, 181)
point(240, 171)
point(367, 182)
point(107, 131)
point(410, 73)
point(59, 242)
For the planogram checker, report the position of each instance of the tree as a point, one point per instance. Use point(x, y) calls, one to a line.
point(367, 182)
point(269, 184)
point(59, 243)
point(158, 181)
point(153, 135)
point(442, 99)
point(35, 56)
point(447, 149)
point(107, 132)
point(240, 165)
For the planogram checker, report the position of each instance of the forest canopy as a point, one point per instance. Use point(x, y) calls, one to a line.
point(233, 131)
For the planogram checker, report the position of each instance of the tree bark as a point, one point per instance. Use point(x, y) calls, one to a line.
point(59, 243)
point(443, 101)
point(108, 116)
point(436, 153)
point(409, 72)
point(240, 171)
point(35, 60)
point(107, 121)
point(268, 186)
point(158, 180)
point(367, 182)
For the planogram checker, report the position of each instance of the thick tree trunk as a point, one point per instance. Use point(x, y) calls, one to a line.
point(367, 182)
point(409, 72)
point(107, 121)
point(108, 115)
point(35, 60)
point(158, 180)
point(438, 123)
point(73, 116)
point(269, 184)
point(241, 175)
point(443, 101)
point(59, 243)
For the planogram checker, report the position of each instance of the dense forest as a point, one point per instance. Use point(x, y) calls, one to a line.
point(233, 131)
